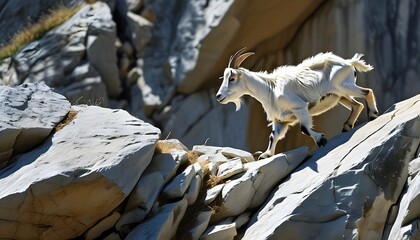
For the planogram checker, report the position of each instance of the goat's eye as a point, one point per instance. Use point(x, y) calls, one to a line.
point(231, 79)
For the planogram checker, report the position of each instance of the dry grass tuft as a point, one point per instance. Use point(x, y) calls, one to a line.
point(36, 30)
point(192, 158)
point(215, 209)
point(69, 117)
point(162, 147)
point(212, 181)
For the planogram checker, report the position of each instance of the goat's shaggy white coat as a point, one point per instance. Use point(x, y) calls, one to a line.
point(291, 94)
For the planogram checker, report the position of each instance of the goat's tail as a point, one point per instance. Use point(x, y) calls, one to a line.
point(360, 64)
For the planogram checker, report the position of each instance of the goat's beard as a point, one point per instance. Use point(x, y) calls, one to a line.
point(237, 103)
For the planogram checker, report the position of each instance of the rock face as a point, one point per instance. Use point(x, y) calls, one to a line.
point(15, 14)
point(29, 114)
point(104, 174)
point(348, 188)
point(77, 176)
point(160, 61)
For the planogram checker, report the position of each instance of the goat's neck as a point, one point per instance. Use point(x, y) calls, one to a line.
point(259, 89)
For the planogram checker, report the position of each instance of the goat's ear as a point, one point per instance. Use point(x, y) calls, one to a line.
point(242, 58)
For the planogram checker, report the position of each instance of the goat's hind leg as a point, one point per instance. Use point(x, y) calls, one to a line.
point(365, 93)
point(278, 132)
point(355, 107)
point(305, 119)
point(371, 103)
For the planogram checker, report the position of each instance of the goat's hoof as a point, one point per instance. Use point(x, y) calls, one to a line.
point(264, 156)
point(347, 127)
point(322, 142)
point(257, 154)
point(372, 117)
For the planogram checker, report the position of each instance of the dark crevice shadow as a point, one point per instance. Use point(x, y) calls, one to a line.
point(27, 158)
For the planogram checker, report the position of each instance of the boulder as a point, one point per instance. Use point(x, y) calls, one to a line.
point(101, 34)
point(194, 189)
point(212, 193)
point(252, 188)
point(406, 223)
point(179, 185)
point(211, 128)
point(220, 232)
point(63, 57)
point(77, 176)
point(230, 168)
point(220, 155)
point(191, 110)
point(143, 196)
point(29, 114)
point(203, 219)
point(163, 225)
point(348, 187)
point(242, 219)
point(103, 225)
point(166, 164)
point(90, 90)
point(141, 29)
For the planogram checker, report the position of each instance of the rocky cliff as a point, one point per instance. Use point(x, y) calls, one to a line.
point(110, 129)
point(160, 60)
point(92, 172)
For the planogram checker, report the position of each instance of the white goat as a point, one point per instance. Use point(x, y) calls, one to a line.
point(292, 94)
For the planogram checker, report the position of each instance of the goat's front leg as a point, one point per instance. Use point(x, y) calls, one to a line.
point(278, 132)
point(305, 119)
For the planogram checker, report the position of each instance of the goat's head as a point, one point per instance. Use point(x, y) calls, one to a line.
point(233, 85)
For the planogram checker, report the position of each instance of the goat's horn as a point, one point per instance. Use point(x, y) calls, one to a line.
point(233, 58)
point(242, 58)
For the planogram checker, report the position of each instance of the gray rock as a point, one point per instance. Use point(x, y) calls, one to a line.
point(101, 34)
point(141, 29)
point(166, 164)
point(210, 154)
point(179, 185)
point(143, 196)
point(134, 5)
point(103, 225)
point(180, 34)
point(8, 75)
point(191, 109)
point(220, 232)
point(90, 91)
point(194, 190)
point(29, 114)
point(65, 55)
point(203, 219)
point(62, 188)
point(243, 155)
point(405, 225)
point(252, 188)
point(150, 100)
point(112, 236)
point(14, 15)
point(348, 187)
point(212, 193)
point(135, 215)
point(230, 168)
point(242, 219)
point(163, 225)
point(211, 129)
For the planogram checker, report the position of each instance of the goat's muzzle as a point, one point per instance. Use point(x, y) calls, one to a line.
point(219, 97)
